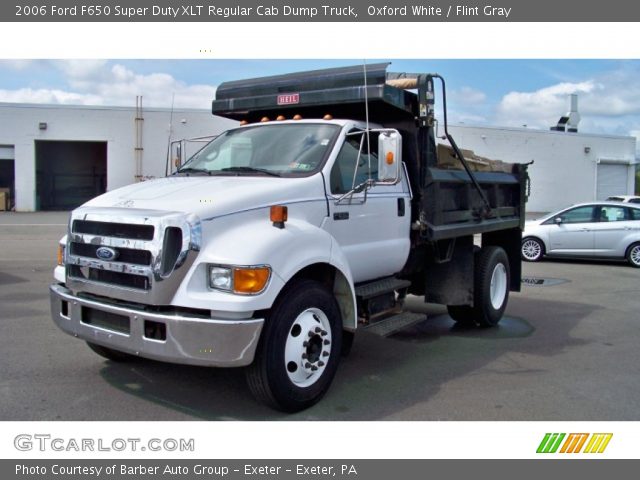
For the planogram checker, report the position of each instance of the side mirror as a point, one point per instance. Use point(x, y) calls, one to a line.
point(389, 156)
point(557, 220)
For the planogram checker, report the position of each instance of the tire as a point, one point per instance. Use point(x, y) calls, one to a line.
point(299, 349)
point(633, 255)
point(490, 290)
point(532, 249)
point(111, 354)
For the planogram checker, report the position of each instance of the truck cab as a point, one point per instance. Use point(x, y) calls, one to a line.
point(271, 246)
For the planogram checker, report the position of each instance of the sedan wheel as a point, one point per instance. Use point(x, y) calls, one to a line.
point(633, 255)
point(532, 249)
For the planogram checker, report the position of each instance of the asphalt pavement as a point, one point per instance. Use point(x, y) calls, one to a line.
point(567, 349)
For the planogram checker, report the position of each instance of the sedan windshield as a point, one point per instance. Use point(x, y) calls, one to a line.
point(275, 150)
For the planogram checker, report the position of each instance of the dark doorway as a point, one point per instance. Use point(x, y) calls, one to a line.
point(7, 183)
point(69, 173)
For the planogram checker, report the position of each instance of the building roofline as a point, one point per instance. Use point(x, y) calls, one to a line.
point(49, 106)
point(539, 131)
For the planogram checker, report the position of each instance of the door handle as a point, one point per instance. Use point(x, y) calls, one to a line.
point(341, 216)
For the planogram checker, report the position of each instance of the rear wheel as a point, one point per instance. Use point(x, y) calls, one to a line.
point(111, 354)
point(490, 290)
point(299, 349)
point(532, 249)
point(633, 255)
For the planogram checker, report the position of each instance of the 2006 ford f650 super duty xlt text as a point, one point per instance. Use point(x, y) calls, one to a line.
point(271, 246)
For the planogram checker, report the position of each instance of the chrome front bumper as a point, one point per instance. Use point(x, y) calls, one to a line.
point(189, 340)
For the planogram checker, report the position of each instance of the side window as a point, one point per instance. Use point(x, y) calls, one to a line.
point(575, 215)
point(634, 213)
point(342, 173)
point(612, 214)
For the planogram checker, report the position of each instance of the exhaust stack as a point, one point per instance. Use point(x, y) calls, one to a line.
point(569, 122)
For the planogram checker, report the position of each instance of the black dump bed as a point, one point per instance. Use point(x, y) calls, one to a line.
point(449, 199)
point(339, 92)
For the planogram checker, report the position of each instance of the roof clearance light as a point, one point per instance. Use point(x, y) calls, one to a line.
point(280, 118)
point(297, 117)
point(328, 116)
point(278, 215)
point(264, 119)
point(243, 122)
point(389, 158)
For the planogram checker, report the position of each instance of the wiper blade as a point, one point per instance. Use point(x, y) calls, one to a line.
point(193, 170)
point(250, 170)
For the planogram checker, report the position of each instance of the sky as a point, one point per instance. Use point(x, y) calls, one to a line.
point(508, 93)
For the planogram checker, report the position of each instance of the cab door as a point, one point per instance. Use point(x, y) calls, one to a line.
point(372, 226)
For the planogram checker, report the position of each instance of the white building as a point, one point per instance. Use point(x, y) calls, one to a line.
point(56, 157)
point(568, 167)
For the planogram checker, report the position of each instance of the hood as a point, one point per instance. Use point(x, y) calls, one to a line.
point(211, 196)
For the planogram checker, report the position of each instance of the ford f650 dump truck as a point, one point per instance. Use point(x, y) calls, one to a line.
point(275, 243)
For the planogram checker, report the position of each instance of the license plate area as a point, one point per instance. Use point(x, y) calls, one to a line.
point(107, 320)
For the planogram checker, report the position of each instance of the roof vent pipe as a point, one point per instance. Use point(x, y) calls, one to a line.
point(569, 122)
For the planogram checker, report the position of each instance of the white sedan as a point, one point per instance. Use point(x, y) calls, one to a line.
point(587, 230)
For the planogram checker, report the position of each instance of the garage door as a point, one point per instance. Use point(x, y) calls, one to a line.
point(612, 180)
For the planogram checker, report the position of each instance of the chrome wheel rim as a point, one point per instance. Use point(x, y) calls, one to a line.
point(308, 347)
point(498, 288)
point(634, 255)
point(531, 250)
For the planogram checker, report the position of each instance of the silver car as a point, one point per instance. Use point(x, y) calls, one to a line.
point(587, 230)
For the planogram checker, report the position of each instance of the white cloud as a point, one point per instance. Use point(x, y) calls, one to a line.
point(609, 103)
point(96, 82)
point(44, 95)
point(541, 108)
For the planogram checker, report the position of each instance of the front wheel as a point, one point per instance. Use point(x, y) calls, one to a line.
point(633, 255)
point(299, 350)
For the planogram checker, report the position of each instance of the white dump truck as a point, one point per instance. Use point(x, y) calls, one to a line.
point(281, 238)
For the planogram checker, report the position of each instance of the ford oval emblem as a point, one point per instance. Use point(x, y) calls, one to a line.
point(106, 253)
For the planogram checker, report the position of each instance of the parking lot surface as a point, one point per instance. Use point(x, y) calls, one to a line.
point(567, 349)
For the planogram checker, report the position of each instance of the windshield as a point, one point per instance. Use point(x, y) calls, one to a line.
point(265, 149)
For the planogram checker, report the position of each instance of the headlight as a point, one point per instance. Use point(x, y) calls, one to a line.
point(220, 278)
point(61, 249)
point(241, 280)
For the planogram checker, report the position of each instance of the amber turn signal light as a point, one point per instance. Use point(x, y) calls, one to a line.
point(250, 280)
point(389, 158)
point(61, 254)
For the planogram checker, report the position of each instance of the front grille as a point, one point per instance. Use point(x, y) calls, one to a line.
point(106, 320)
point(149, 253)
point(125, 255)
point(118, 230)
point(128, 280)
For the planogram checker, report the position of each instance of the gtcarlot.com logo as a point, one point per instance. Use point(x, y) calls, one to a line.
point(574, 443)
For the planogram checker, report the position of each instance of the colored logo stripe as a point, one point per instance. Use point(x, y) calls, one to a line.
point(574, 443)
point(550, 443)
point(597, 442)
